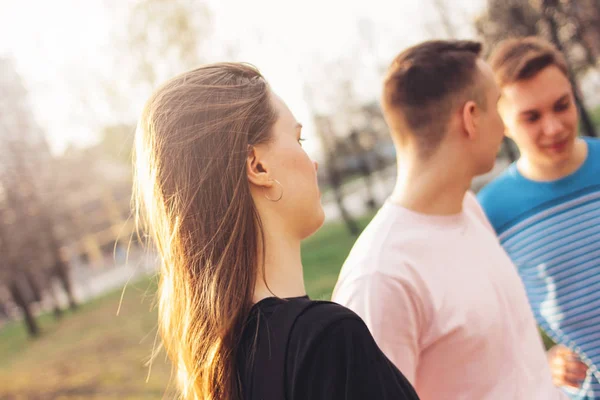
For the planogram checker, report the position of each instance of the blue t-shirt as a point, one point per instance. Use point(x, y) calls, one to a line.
point(551, 231)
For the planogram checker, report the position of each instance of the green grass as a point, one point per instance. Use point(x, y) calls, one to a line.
point(90, 353)
point(323, 255)
point(94, 353)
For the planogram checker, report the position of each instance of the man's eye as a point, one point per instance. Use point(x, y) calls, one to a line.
point(563, 106)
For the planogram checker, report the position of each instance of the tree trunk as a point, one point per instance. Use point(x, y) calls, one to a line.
point(371, 202)
point(62, 272)
point(21, 301)
point(58, 312)
point(348, 220)
point(38, 293)
point(336, 185)
point(365, 170)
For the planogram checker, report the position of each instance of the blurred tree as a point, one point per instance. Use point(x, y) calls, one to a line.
point(166, 37)
point(446, 20)
point(583, 24)
point(334, 177)
point(504, 19)
point(343, 106)
point(28, 197)
point(364, 166)
point(15, 271)
point(116, 142)
point(321, 108)
point(449, 20)
point(159, 39)
point(34, 198)
point(554, 15)
point(18, 292)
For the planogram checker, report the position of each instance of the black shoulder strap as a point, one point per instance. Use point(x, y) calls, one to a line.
point(269, 380)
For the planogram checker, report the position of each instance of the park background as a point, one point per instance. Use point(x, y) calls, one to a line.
point(77, 318)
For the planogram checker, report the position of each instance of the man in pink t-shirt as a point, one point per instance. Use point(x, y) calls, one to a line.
point(428, 276)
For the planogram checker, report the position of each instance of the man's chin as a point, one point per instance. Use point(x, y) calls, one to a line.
point(486, 168)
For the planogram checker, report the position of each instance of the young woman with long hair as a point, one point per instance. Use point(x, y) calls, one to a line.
point(227, 193)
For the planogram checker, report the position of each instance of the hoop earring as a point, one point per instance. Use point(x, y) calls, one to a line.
point(280, 196)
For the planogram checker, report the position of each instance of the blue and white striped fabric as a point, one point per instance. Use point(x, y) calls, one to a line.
point(551, 231)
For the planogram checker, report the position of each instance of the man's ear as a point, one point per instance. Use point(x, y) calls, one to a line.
point(257, 169)
point(470, 119)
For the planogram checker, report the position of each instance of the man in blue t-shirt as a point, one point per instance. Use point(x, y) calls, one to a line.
point(546, 207)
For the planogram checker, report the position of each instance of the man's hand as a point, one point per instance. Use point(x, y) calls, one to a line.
point(566, 367)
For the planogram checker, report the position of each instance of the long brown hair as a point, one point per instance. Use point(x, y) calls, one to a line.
point(192, 194)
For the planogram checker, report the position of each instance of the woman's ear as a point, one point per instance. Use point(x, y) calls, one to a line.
point(256, 167)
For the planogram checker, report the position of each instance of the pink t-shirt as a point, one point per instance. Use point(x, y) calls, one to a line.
point(446, 305)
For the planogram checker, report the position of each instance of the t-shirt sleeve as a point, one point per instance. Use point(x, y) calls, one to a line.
point(394, 313)
point(345, 363)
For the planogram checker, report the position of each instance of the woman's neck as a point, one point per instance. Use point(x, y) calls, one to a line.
point(283, 275)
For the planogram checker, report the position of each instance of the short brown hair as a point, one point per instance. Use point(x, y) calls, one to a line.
point(423, 85)
point(518, 59)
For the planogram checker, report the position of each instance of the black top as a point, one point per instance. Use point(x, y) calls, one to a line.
point(325, 351)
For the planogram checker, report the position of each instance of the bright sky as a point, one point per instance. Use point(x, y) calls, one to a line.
point(63, 49)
